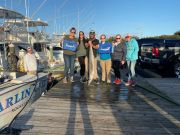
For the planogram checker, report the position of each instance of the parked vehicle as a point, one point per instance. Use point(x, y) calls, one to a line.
point(164, 53)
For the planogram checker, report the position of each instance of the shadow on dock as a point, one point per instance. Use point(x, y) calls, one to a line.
point(78, 96)
point(75, 108)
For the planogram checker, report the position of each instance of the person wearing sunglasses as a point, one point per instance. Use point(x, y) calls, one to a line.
point(81, 54)
point(131, 57)
point(118, 57)
point(92, 41)
point(69, 54)
point(105, 50)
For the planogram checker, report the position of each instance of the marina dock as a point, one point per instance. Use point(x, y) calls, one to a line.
point(41, 42)
point(102, 109)
point(169, 86)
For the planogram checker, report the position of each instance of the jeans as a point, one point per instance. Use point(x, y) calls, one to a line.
point(131, 69)
point(69, 64)
point(81, 60)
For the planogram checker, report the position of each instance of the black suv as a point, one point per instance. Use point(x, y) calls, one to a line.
point(161, 53)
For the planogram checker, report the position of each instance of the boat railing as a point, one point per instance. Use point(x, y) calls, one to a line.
point(39, 35)
point(44, 35)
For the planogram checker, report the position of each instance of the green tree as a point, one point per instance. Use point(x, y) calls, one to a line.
point(177, 33)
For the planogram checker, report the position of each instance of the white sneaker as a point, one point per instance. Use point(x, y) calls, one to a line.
point(65, 80)
point(71, 79)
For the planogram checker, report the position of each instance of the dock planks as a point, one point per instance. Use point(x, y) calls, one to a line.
point(77, 109)
point(169, 86)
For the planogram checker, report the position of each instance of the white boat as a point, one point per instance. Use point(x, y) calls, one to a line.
point(22, 89)
point(33, 36)
point(16, 94)
point(57, 51)
point(8, 33)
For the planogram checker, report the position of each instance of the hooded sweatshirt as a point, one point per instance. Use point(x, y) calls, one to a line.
point(132, 50)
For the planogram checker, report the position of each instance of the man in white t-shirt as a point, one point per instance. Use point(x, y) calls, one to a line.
point(30, 62)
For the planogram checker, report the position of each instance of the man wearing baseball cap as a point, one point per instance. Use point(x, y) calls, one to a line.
point(92, 41)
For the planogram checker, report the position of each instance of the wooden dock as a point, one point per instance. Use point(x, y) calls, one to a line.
point(77, 109)
point(169, 86)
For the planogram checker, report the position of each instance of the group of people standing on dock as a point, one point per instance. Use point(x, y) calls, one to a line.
point(112, 55)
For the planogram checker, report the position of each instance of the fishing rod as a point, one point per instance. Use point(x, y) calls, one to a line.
point(38, 8)
point(62, 5)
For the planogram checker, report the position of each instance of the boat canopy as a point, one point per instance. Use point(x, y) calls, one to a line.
point(10, 14)
point(34, 23)
point(27, 21)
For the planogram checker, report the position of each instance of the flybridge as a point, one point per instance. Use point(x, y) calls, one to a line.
point(12, 100)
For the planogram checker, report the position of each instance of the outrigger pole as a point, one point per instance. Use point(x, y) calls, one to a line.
point(27, 27)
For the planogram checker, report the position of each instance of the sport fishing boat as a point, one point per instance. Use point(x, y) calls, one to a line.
point(16, 94)
point(56, 49)
point(16, 89)
point(32, 33)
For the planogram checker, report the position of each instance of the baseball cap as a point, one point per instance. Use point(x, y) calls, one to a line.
point(127, 35)
point(29, 47)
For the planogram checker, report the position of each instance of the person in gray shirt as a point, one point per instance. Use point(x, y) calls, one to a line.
point(118, 57)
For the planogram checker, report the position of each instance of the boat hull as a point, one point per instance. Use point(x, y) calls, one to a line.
point(13, 99)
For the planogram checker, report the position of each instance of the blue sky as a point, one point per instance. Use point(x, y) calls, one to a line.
point(138, 17)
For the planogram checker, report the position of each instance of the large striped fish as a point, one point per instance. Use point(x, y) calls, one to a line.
point(91, 65)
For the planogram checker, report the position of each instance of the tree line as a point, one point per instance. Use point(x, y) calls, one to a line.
point(176, 35)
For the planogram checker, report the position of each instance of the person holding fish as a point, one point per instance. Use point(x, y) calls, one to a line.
point(91, 59)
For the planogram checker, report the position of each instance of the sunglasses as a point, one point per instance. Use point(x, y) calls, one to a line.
point(118, 38)
point(92, 33)
point(73, 32)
